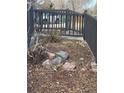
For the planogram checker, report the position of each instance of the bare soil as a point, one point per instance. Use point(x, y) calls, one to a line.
point(81, 80)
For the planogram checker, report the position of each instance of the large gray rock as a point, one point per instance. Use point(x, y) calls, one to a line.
point(60, 57)
point(56, 60)
point(64, 55)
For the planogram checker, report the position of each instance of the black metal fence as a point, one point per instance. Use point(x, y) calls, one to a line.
point(67, 22)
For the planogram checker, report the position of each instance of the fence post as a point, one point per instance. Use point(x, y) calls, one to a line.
point(90, 33)
point(31, 26)
point(66, 25)
point(83, 25)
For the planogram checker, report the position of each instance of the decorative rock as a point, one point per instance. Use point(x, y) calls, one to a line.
point(59, 58)
point(55, 60)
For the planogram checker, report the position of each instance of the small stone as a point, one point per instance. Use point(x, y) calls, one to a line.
point(69, 66)
point(54, 67)
point(94, 70)
point(32, 82)
point(70, 75)
point(57, 82)
point(81, 59)
point(46, 64)
point(29, 71)
point(82, 69)
point(36, 69)
point(94, 66)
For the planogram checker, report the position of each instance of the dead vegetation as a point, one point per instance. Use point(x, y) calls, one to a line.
point(41, 80)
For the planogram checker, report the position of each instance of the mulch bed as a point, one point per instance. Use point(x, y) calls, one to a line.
point(81, 80)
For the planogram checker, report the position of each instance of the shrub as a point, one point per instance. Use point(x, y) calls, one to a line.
point(53, 37)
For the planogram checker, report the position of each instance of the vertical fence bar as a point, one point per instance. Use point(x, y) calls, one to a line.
point(48, 21)
point(54, 18)
point(66, 26)
point(69, 23)
point(44, 20)
point(52, 21)
point(38, 21)
point(35, 19)
point(73, 23)
point(80, 24)
point(83, 26)
point(31, 26)
point(61, 23)
point(77, 25)
point(55, 21)
point(41, 20)
point(61, 19)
